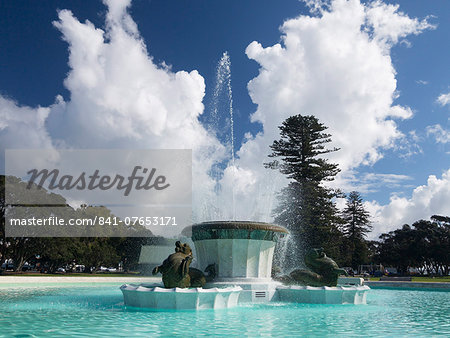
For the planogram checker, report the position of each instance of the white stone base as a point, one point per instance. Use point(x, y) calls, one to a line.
point(159, 298)
point(236, 257)
point(323, 295)
point(254, 290)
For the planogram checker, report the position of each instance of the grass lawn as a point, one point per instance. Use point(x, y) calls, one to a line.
point(445, 279)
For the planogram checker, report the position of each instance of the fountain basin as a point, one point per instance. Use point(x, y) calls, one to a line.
point(159, 298)
point(254, 290)
point(323, 295)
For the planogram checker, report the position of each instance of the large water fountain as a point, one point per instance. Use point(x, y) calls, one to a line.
point(238, 255)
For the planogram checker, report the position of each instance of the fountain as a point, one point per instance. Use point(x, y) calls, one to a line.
point(238, 255)
point(242, 253)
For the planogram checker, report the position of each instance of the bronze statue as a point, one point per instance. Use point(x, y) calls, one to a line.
point(324, 271)
point(175, 268)
point(176, 272)
point(199, 279)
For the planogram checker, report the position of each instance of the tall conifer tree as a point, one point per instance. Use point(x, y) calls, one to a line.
point(356, 225)
point(306, 206)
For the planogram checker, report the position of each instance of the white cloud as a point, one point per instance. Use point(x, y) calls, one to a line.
point(425, 201)
point(422, 82)
point(408, 144)
point(393, 180)
point(119, 98)
point(371, 182)
point(444, 99)
point(440, 134)
point(389, 24)
point(336, 66)
point(21, 127)
point(119, 95)
point(317, 6)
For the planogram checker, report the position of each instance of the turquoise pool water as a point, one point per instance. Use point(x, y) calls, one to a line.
point(99, 311)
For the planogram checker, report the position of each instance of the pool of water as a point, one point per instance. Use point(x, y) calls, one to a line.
point(99, 310)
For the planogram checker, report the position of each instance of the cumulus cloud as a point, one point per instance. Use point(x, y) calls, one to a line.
point(444, 99)
point(390, 25)
point(119, 98)
point(118, 94)
point(334, 64)
point(21, 126)
point(425, 201)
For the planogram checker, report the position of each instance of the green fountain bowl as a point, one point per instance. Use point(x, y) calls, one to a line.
point(235, 230)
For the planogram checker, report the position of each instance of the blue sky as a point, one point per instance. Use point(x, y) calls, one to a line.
point(394, 171)
point(185, 34)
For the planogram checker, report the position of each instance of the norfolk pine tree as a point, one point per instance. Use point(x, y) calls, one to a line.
point(356, 225)
point(306, 206)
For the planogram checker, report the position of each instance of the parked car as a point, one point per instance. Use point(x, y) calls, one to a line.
point(79, 268)
point(8, 266)
point(27, 267)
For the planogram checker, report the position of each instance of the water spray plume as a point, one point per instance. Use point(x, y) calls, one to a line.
point(223, 85)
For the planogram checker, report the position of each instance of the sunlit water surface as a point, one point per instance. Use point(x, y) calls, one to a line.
point(99, 311)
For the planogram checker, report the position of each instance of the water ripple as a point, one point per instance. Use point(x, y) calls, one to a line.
point(96, 311)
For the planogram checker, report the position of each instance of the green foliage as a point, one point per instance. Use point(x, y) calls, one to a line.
point(64, 249)
point(356, 217)
point(302, 142)
point(355, 227)
point(425, 246)
point(306, 206)
point(129, 249)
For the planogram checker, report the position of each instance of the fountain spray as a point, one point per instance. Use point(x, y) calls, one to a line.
point(223, 83)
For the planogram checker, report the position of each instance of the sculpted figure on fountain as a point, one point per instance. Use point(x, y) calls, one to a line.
point(323, 271)
point(176, 272)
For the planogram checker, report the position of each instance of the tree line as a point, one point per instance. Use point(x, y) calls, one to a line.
point(307, 208)
point(51, 253)
point(423, 246)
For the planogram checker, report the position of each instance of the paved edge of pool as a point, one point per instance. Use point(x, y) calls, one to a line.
point(408, 285)
point(41, 281)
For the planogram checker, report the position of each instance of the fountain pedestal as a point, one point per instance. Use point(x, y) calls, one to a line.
point(254, 290)
point(242, 253)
